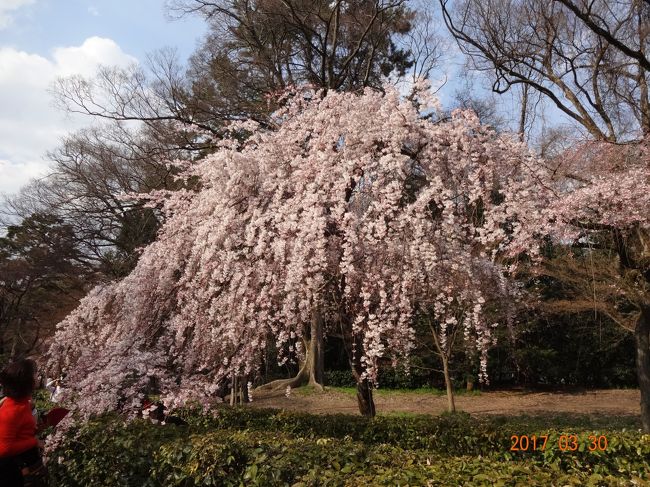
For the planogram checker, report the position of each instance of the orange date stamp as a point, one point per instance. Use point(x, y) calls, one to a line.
point(564, 442)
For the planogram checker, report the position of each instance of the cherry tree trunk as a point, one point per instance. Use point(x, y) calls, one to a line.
point(233, 390)
point(365, 399)
point(243, 387)
point(364, 388)
point(316, 350)
point(642, 339)
point(451, 404)
point(364, 392)
point(312, 368)
point(239, 390)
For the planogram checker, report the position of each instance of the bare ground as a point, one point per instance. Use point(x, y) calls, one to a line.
point(611, 402)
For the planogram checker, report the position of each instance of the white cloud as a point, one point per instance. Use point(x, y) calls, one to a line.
point(8, 7)
point(29, 124)
point(94, 11)
point(84, 59)
point(15, 175)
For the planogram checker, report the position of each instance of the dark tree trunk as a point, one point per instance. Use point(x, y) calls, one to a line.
point(644, 97)
point(523, 113)
point(365, 399)
point(243, 386)
point(364, 387)
point(642, 339)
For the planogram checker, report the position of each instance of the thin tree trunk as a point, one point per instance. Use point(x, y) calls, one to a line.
point(644, 105)
point(233, 390)
point(523, 113)
point(444, 356)
point(451, 405)
point(642, 339)
point(317, 351)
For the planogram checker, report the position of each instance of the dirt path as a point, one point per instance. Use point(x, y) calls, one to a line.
point(606, 402)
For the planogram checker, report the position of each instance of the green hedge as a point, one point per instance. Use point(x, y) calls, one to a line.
point(453, 434)
point(253, 458)
point(339, 378)
point(268, 447)
point(109, 452)
point(389, 378)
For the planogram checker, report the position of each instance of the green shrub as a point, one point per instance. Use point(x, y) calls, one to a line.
point(388, 378)
point(230, 457)
point(42, 401)
point(339, 378)
point(442, 433)
point(226, 458)
point(109, 452)
point(246, 446)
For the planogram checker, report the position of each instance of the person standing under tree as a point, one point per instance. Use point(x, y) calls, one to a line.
point(20, 459)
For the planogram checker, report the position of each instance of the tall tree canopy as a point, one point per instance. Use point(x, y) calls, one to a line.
point(42, 273)
point(253, 51)
point(356, 209)
point(90, 170)
point(339, 45)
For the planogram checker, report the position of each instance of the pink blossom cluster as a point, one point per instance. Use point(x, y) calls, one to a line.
point(594, 186)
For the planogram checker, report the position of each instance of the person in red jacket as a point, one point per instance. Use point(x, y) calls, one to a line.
point(18, 442)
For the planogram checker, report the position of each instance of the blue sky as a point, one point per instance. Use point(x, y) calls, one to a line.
point(43, 39)
point(137, 26)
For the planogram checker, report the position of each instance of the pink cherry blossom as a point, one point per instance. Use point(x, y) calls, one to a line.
point(356, 205)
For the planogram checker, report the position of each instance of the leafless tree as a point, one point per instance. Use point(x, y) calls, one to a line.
point(91, 172)
point(612, 32)
point(424, 42)
point(549, 48)
point(156, 94)
point(485, 107)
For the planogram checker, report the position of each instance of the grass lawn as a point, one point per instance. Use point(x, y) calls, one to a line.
point(432, 391)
